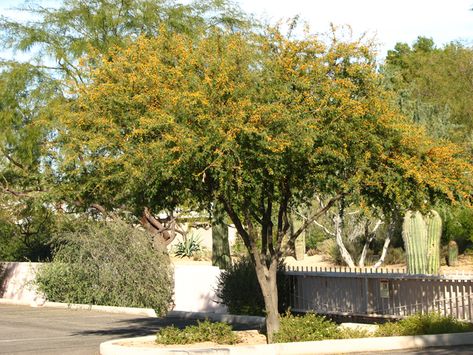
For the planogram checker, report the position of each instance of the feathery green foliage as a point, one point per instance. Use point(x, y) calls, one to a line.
point(260, 123)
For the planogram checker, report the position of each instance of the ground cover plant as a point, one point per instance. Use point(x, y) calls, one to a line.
point(220, 333)
point(107, 263)
point(431, 323)
point(312, 327)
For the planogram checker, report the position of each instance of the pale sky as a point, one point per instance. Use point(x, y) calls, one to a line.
point(390, 21)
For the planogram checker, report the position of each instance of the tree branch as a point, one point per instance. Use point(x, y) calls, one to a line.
point(325, 229)
point(13, 161)
point(315, 216)
point(238, 225)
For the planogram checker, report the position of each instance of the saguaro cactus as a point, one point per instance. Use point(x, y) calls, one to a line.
point(434, 233)
point(452, 257)
point(414, 233)
point(299, 246)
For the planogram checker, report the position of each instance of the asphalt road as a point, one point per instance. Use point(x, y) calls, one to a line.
point(457, 350)
point(52, 331)
point(26, 330)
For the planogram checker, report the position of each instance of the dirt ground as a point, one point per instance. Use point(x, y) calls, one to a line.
point(247, 337)
point(464, 265)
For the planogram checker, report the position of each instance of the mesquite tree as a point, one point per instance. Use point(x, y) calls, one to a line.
point(260, 123)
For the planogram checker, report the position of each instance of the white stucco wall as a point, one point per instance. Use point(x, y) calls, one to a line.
point(16, 282)
point(194, 289)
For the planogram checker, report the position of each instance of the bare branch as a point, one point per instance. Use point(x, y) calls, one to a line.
point(99, 208)
point(238, 225)
point(316, 215)
point(325, 229)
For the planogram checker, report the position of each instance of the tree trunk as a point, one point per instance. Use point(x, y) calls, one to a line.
point(220, 246)
point(338, 237)
point(267, 281)
point(369, 238)
point(361, 262)
point(385, 250)
point(161, 237)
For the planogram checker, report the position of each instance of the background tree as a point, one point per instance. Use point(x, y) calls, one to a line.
point(260, 123)
point(348, 224)
point(434, 86)
point(25, 162)
point(57, 38)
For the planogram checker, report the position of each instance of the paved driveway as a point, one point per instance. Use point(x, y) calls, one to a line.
point(52, 331)
point(26, 330)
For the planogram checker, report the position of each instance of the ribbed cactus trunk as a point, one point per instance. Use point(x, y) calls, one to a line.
point(220, 245)
point(299, 246)
point(452, 257)
point(434, 233)
point(414, 233)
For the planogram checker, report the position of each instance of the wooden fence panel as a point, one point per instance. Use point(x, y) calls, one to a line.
point(379, 294)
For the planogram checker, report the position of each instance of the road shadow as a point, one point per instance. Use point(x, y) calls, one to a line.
point(147, 326)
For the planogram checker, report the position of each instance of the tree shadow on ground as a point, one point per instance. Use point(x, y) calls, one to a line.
point(147, 326)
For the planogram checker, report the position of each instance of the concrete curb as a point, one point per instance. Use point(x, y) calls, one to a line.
point(148, 312)
point(115, 347)
point(18, 302)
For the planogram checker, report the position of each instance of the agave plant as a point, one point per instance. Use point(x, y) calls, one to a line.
point(188, 247)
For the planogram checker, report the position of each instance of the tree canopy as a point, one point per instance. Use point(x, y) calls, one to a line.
point(261, 123)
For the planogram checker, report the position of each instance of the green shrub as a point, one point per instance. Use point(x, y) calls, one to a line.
point(107, 263)
point(458, 226)
point(431, 323)
point(350, 333)
point(239, 290)
point(314, 236)
point(219, 333)
point(330, 250)
point(309, 327)
point(395, 256)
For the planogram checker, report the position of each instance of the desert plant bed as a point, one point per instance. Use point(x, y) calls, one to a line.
point(297, 336)
point(308, 327)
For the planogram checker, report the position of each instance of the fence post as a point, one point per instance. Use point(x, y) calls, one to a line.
point(367, 301)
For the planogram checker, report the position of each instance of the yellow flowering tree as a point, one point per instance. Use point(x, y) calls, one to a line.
point(260, 123)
